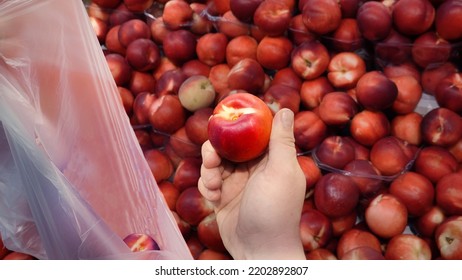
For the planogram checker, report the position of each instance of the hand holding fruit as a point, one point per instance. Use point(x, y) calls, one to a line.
point(258, 202)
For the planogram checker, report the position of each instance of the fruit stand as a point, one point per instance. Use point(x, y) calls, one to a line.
point(377, 97)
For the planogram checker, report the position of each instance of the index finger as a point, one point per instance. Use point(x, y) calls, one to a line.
point(210, 158)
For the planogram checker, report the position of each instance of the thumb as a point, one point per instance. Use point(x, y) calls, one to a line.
point(282, 142)
point(289, 182)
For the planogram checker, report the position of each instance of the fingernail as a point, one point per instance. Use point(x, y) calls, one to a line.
point(287, 119)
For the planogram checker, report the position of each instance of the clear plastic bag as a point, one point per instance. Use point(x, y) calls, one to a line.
point(73, 179)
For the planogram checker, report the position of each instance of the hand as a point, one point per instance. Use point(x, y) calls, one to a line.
point(258, 203)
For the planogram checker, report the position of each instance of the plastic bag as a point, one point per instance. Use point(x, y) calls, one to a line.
point(73, 179)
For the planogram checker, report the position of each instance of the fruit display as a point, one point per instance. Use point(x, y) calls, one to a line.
point(376, 92)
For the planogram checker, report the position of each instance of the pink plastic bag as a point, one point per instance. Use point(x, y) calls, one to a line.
point(73, 179)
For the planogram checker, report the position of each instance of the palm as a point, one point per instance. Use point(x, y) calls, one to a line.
point(229, 207)
point(246, 205)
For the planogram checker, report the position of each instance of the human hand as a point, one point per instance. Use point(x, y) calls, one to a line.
point(258, 204)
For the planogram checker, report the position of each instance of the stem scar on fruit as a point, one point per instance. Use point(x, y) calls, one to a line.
point(233, 113)
point(308, 63)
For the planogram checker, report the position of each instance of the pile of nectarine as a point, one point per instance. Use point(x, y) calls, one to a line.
point(383, 169)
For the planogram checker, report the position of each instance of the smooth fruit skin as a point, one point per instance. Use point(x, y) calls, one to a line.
point(386, 216)
point(407, 247)
point(139, 242)
point(240, 127)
